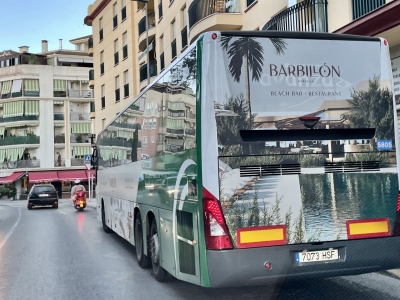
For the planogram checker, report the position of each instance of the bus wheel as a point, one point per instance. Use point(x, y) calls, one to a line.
point(159, 272)
point(143, 261)
point(103, 221)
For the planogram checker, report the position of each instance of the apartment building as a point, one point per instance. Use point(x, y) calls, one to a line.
point(45, 123)
point(119, 45)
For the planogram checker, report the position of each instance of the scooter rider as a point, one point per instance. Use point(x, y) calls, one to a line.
point(76, 187)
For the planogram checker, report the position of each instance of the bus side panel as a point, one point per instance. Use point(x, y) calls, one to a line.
point(167, 241)
point(122, 217)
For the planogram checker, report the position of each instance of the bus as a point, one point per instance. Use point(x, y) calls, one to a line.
point(258, 155)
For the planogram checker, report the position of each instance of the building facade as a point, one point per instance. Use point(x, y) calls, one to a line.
point(45, 123)
point(119, 46)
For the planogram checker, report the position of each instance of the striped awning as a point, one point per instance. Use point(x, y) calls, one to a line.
point(58, 102)
point(2, 155)
point(32, 108)
point(59, 85)
point(13, 109)
point(81, 128)
point(175, 124)
point(2, 130)
point(6, 88)
point(31, 85)
point(16, 87)
point(82, 150)
point(125, 134)
point(176, 106)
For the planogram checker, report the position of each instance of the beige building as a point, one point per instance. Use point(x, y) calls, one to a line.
point(119, 34)
point(45, 123)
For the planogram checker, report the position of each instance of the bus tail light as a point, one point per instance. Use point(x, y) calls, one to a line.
point(216, 231)
point(398, 202)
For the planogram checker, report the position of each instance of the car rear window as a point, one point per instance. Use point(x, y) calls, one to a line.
point(44, 189)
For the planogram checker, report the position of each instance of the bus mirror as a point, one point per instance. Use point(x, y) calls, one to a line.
point(94, 158)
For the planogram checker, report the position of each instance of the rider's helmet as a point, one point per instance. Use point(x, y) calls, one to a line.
point(77, 181)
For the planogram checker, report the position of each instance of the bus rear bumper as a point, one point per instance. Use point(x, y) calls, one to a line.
point(241, 267)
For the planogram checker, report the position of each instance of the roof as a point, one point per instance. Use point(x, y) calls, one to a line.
point(81, 38)
point(89, 18)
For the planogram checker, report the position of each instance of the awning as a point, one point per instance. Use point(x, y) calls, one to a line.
point(32, 108)
point(16, 88)
point(13, 154)
point(80, 128)
point(6, 87)
point(176, 106)
point(175, 124)
point(31, 85)
point(82, 150)
point(45, 176)
point(2, 130)
point(88, 61)
point(11, 178)
point(70, 60)
point(59, 85)
point(72, 175)
point(58, 102)
point(13, 109)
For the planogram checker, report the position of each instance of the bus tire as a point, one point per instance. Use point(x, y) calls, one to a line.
point(142, 259)
point(159, 272)
point(103, 220)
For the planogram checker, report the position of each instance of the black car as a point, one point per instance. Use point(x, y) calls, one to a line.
point(43, 195)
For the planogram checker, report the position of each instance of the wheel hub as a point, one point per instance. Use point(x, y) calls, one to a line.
point(154, 248)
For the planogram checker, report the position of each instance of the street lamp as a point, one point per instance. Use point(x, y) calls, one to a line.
point(147, 40)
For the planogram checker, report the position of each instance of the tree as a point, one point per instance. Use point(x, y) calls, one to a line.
point(373, 109)
point(248, 53)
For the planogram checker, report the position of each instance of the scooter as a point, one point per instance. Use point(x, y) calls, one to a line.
point(80, 201)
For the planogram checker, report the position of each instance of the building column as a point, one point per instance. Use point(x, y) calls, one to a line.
point(67, 134)
point(18, 186)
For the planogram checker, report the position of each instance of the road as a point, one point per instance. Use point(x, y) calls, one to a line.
point(62, 254)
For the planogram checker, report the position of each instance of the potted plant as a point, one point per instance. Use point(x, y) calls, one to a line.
point(79, 139)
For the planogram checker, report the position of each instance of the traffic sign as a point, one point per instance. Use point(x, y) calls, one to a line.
point(87, 161)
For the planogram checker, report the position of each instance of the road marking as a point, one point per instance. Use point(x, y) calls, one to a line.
point(9, 233)
point(62, 212)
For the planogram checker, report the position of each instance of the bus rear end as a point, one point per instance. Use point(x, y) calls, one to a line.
point(299, 163)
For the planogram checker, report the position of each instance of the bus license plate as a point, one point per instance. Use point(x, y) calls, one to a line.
point(315, 256)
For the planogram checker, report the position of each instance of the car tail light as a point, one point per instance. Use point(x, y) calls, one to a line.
point(398, 202)
point(216, 231)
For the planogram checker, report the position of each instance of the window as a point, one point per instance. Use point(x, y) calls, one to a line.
point(249, 2)
point(184, 16)
point(123, 10)
point(184, 27)
point(115, 18)
point(101, 63)
point(116, 55)
point(152, 139)
point(144, 143)
point(125, 48)
point(117, 96)
point(103, 123)
point(173, 29)
point(101, 29)
point(126, 84)
point(160, 11)
point(103, 97)
point(162, 43)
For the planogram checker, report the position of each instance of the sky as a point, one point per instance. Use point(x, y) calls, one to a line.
point(27, 23)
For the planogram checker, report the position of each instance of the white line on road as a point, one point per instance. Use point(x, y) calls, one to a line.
point(62, 212)
point(9, 233)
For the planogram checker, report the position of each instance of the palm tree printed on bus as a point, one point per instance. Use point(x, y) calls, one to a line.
point(248, 53)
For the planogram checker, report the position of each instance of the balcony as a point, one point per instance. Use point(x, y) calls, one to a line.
point(59, 163)
point(115, 142)
point(309, 15)
point(19, 140)
point(152, 68)
point(363, 7)
point(58, 117)
point(91, 78)
point(90, 46)
point(74, 116)
point(17, 119)
point(80, 93)
point(77, 162)
point(151, 21)
point(173, 148)
point(218, 16)
point(126, 125)
point(59, 139)
point(175, 131)
point(31, 163)
point(190, 131)
point(79, 138)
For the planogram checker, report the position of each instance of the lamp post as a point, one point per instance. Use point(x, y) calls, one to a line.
point(147, 40)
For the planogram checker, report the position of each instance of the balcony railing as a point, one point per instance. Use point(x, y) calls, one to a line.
point(184, 37)
point(126, 125)
point(143, 70)
point(175, 131)
point(173, 148)
point(75, 162)
point(173, 48)
point(160, 12)
point(190, 131)
point(151, 21)
point(58, 117)
point(115, 142)
point(117, 98)
point(309, 15)
point(19, 140)
point(79, 138)
point(80, 93)
point(59, 163)
point(29, 163)
point(59, 139)
point(74, 116)
point(363, 7)
point(91, 74)
point(90, 43)
point(200, 9)
point(16, 119)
